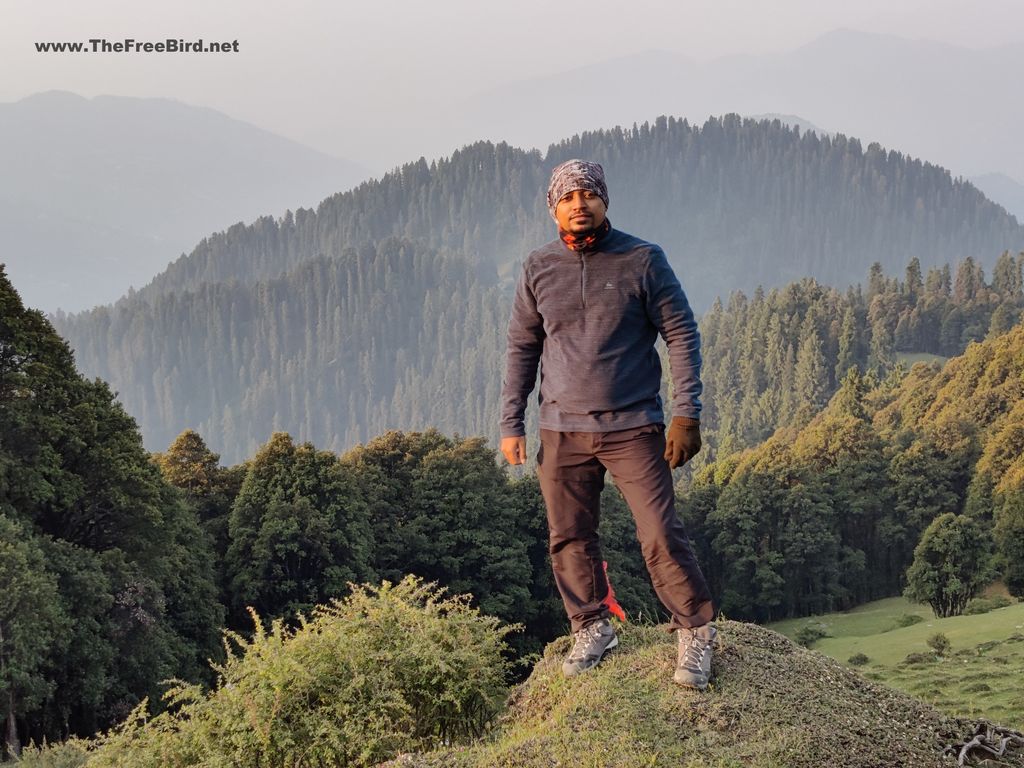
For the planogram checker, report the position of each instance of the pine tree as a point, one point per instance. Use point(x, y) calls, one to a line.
point(912, 282)
point(811, 374)
point(848, 344)
point(1007, 280)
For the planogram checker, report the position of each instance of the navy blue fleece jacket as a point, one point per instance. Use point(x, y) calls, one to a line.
point(591, 320)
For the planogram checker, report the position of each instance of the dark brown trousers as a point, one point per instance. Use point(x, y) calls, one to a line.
point(571, 467)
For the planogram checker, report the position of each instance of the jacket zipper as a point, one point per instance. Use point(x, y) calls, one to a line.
point(583, 282)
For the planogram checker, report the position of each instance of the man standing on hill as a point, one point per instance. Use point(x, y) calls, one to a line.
point(588, 308)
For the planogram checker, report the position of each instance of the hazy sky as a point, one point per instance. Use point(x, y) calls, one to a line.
point(387, 60)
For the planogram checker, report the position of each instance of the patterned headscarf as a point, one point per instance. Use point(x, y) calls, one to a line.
point(576, 174)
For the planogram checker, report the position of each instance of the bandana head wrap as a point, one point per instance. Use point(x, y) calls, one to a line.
point(576, 174)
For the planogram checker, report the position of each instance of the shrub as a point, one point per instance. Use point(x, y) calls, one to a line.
point(390, 668)
point(986, 604)
point(909, 620)
point(939, 643)
point(858, 660)
point(72, 753)
point(920, 658)
point(809, 634)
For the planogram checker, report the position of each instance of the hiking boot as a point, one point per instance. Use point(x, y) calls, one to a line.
point(693, 666)
point(591, 643)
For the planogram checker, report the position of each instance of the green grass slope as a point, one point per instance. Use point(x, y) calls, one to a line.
point(979, 677)
point(771, 703)
point(868, 619)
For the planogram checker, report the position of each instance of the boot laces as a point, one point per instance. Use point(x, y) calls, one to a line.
point(586, 640)
point(694, 650)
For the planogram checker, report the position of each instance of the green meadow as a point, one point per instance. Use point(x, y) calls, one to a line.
point(979, 676)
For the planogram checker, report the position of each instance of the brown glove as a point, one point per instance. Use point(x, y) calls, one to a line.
point(682, 441)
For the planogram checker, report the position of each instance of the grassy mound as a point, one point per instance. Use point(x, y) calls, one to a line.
point(771, 703)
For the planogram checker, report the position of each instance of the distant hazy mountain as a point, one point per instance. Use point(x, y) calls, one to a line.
point(100, 194)
point(953, 106)
point(1001, 189)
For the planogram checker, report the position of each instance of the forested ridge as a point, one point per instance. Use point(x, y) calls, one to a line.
point(734, 202)
point(399, 336)
point(772, 358)
point(392, 336)
point(828, 514)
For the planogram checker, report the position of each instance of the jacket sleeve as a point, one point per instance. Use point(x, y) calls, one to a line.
point(670, 312)
point(525, 343)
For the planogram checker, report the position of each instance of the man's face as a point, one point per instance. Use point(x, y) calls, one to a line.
point(580, 211)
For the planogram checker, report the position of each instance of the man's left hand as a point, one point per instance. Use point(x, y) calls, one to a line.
point(682, 441)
